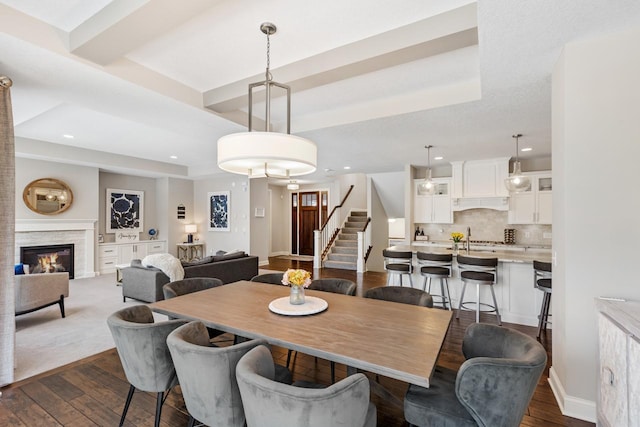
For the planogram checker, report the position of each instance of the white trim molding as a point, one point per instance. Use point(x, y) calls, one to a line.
point(570, 406)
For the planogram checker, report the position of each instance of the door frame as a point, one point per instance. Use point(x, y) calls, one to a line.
point(290, 207)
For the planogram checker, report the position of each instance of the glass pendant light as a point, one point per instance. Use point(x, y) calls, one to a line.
point(427, 187)
point(517, 182)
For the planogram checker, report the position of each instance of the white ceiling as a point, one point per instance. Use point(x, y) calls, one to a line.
point(371, 84)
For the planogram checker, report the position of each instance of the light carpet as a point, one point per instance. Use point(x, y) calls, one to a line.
point(45, 341)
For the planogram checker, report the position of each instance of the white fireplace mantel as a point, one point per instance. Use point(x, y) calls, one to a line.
point(81, 232)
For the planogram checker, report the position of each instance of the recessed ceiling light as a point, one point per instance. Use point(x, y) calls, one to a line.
point(527, 149)
point(438, 158)
point(173, 157)
point(66, 135)
point(347, 167)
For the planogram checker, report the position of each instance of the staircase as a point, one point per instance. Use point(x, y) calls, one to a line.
point(344, 252)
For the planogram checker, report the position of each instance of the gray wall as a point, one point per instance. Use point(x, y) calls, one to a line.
point(82, 180)
point(260, 226)
point(379, 228)
point(127, 182)
point(172, 192)
point(238, 237)
point(280, 220)
point(595, 201)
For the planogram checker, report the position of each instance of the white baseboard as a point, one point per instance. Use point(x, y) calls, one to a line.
point(570, 406)
point(281, 253)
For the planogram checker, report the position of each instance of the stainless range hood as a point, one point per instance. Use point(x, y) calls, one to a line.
point(480, 184)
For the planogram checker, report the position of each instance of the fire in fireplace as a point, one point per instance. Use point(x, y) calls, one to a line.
point(48, 259)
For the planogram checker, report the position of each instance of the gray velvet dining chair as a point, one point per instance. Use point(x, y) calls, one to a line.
point(270, 278)
point(207, 375)
point(400, 294)
point(190, 285)
point(492, 388)
point(268, 403)
point(142, 346)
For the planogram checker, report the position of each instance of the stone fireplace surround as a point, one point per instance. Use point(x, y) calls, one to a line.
point(80, 232)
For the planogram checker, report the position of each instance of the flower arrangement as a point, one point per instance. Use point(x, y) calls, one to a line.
point(457, 237)
point(293, 277)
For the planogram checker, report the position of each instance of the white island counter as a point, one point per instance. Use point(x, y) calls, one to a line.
point(518, 301)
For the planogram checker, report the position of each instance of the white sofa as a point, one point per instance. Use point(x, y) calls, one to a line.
point(36, 291)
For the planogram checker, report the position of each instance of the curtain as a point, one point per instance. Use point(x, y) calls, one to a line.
point(7, 234)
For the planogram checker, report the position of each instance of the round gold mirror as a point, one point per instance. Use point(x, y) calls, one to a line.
point(47, 196)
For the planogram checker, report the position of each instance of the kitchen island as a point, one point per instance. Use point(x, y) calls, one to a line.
point(518, 300)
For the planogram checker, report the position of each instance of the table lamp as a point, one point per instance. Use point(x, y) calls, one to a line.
point(190, 229)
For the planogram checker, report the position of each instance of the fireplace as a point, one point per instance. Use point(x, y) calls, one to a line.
point(48, 259)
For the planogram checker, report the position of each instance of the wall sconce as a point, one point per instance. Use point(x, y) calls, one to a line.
point(190, 229)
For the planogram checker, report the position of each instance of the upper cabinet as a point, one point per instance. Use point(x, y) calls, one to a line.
point(480, 184)
point(434, 208)
point(533, 206)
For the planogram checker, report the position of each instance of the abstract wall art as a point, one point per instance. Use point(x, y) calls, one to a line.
point(219, 211)
point(124, 210)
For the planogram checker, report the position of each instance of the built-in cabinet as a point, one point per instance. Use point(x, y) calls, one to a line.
point(533, 206)
point(619, 352)
point(112, 254)
point(435, 208)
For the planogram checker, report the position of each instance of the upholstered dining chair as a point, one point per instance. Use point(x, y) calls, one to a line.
point(142, 347)
point(493, 387)
point(268, 403)
point(402, 295)
point(207, 375)
point(336, 286)
point(271, 278)
point(190, 285)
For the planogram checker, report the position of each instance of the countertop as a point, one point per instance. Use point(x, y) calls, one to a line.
point(524, 256)
point(626, 313)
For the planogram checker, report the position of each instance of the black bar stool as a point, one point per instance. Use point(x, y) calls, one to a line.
point(398, 262)
point(478, 271)
point(436, 266)
point(542, 281)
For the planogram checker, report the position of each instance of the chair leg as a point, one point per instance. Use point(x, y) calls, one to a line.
point(126, 404)
point(428, 289)
point(424, 283)
point(544, 312)
point(446, 281)
point(443, 296)
point(410, 279)
point(289, 357)
point(333, 372)
point(464, 288)
point(159, 402)
point(477, 302)
point(388, 277)
point(192, 421)
point(495, 303)
point(61, 303)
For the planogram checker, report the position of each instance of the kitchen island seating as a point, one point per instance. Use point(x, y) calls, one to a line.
point(436, 266)
point(207, 375)
point(143, 351)
point(268, 403)
point(493, 387)
point(542, 281)
point(401, 295)
point(479, 272)
point(398, 263)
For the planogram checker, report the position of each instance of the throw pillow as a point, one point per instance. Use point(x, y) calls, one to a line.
point(230, 255)
point(18, 268)
point(205, 260)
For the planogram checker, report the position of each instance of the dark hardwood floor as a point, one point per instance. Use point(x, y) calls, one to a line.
point(92, 391)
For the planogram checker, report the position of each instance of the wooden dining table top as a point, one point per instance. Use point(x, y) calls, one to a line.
point(396, 340)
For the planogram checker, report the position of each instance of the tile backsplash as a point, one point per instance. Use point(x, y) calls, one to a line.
point(488, 224)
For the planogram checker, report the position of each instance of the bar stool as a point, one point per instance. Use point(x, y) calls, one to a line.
point(436, 266)
point(542, 281)
point(398, 262)
point(478, 271)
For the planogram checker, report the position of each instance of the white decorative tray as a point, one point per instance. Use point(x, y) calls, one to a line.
point(312, 305)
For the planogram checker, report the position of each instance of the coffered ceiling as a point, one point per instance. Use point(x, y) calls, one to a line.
point(138, 81)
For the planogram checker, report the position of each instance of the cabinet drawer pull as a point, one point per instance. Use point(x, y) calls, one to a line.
point(109, 251)
point(108, 263)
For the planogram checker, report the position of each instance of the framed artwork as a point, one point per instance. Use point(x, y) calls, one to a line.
point(219, 211)
point(124, 210)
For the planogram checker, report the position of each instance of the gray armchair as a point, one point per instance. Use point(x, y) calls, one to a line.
point(271, 404)
point(143, 351)
point(207, 375)
point(36, 291)
point(492, 388)
point(337, 286)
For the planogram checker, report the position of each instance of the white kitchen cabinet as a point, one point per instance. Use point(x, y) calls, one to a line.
point(535, 205)
point(112, 254)
point(619, 371)
point(434, 208)
point(480, 178)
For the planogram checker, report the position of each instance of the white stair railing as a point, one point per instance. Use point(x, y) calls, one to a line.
point(323, 238)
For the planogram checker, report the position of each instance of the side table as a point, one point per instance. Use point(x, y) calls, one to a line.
point(188, 252)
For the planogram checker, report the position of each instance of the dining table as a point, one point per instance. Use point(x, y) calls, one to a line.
point(396, 340)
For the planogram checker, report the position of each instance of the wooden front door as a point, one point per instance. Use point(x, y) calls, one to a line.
point(308, 220)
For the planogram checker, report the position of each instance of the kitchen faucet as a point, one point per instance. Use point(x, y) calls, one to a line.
point(468, 235)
